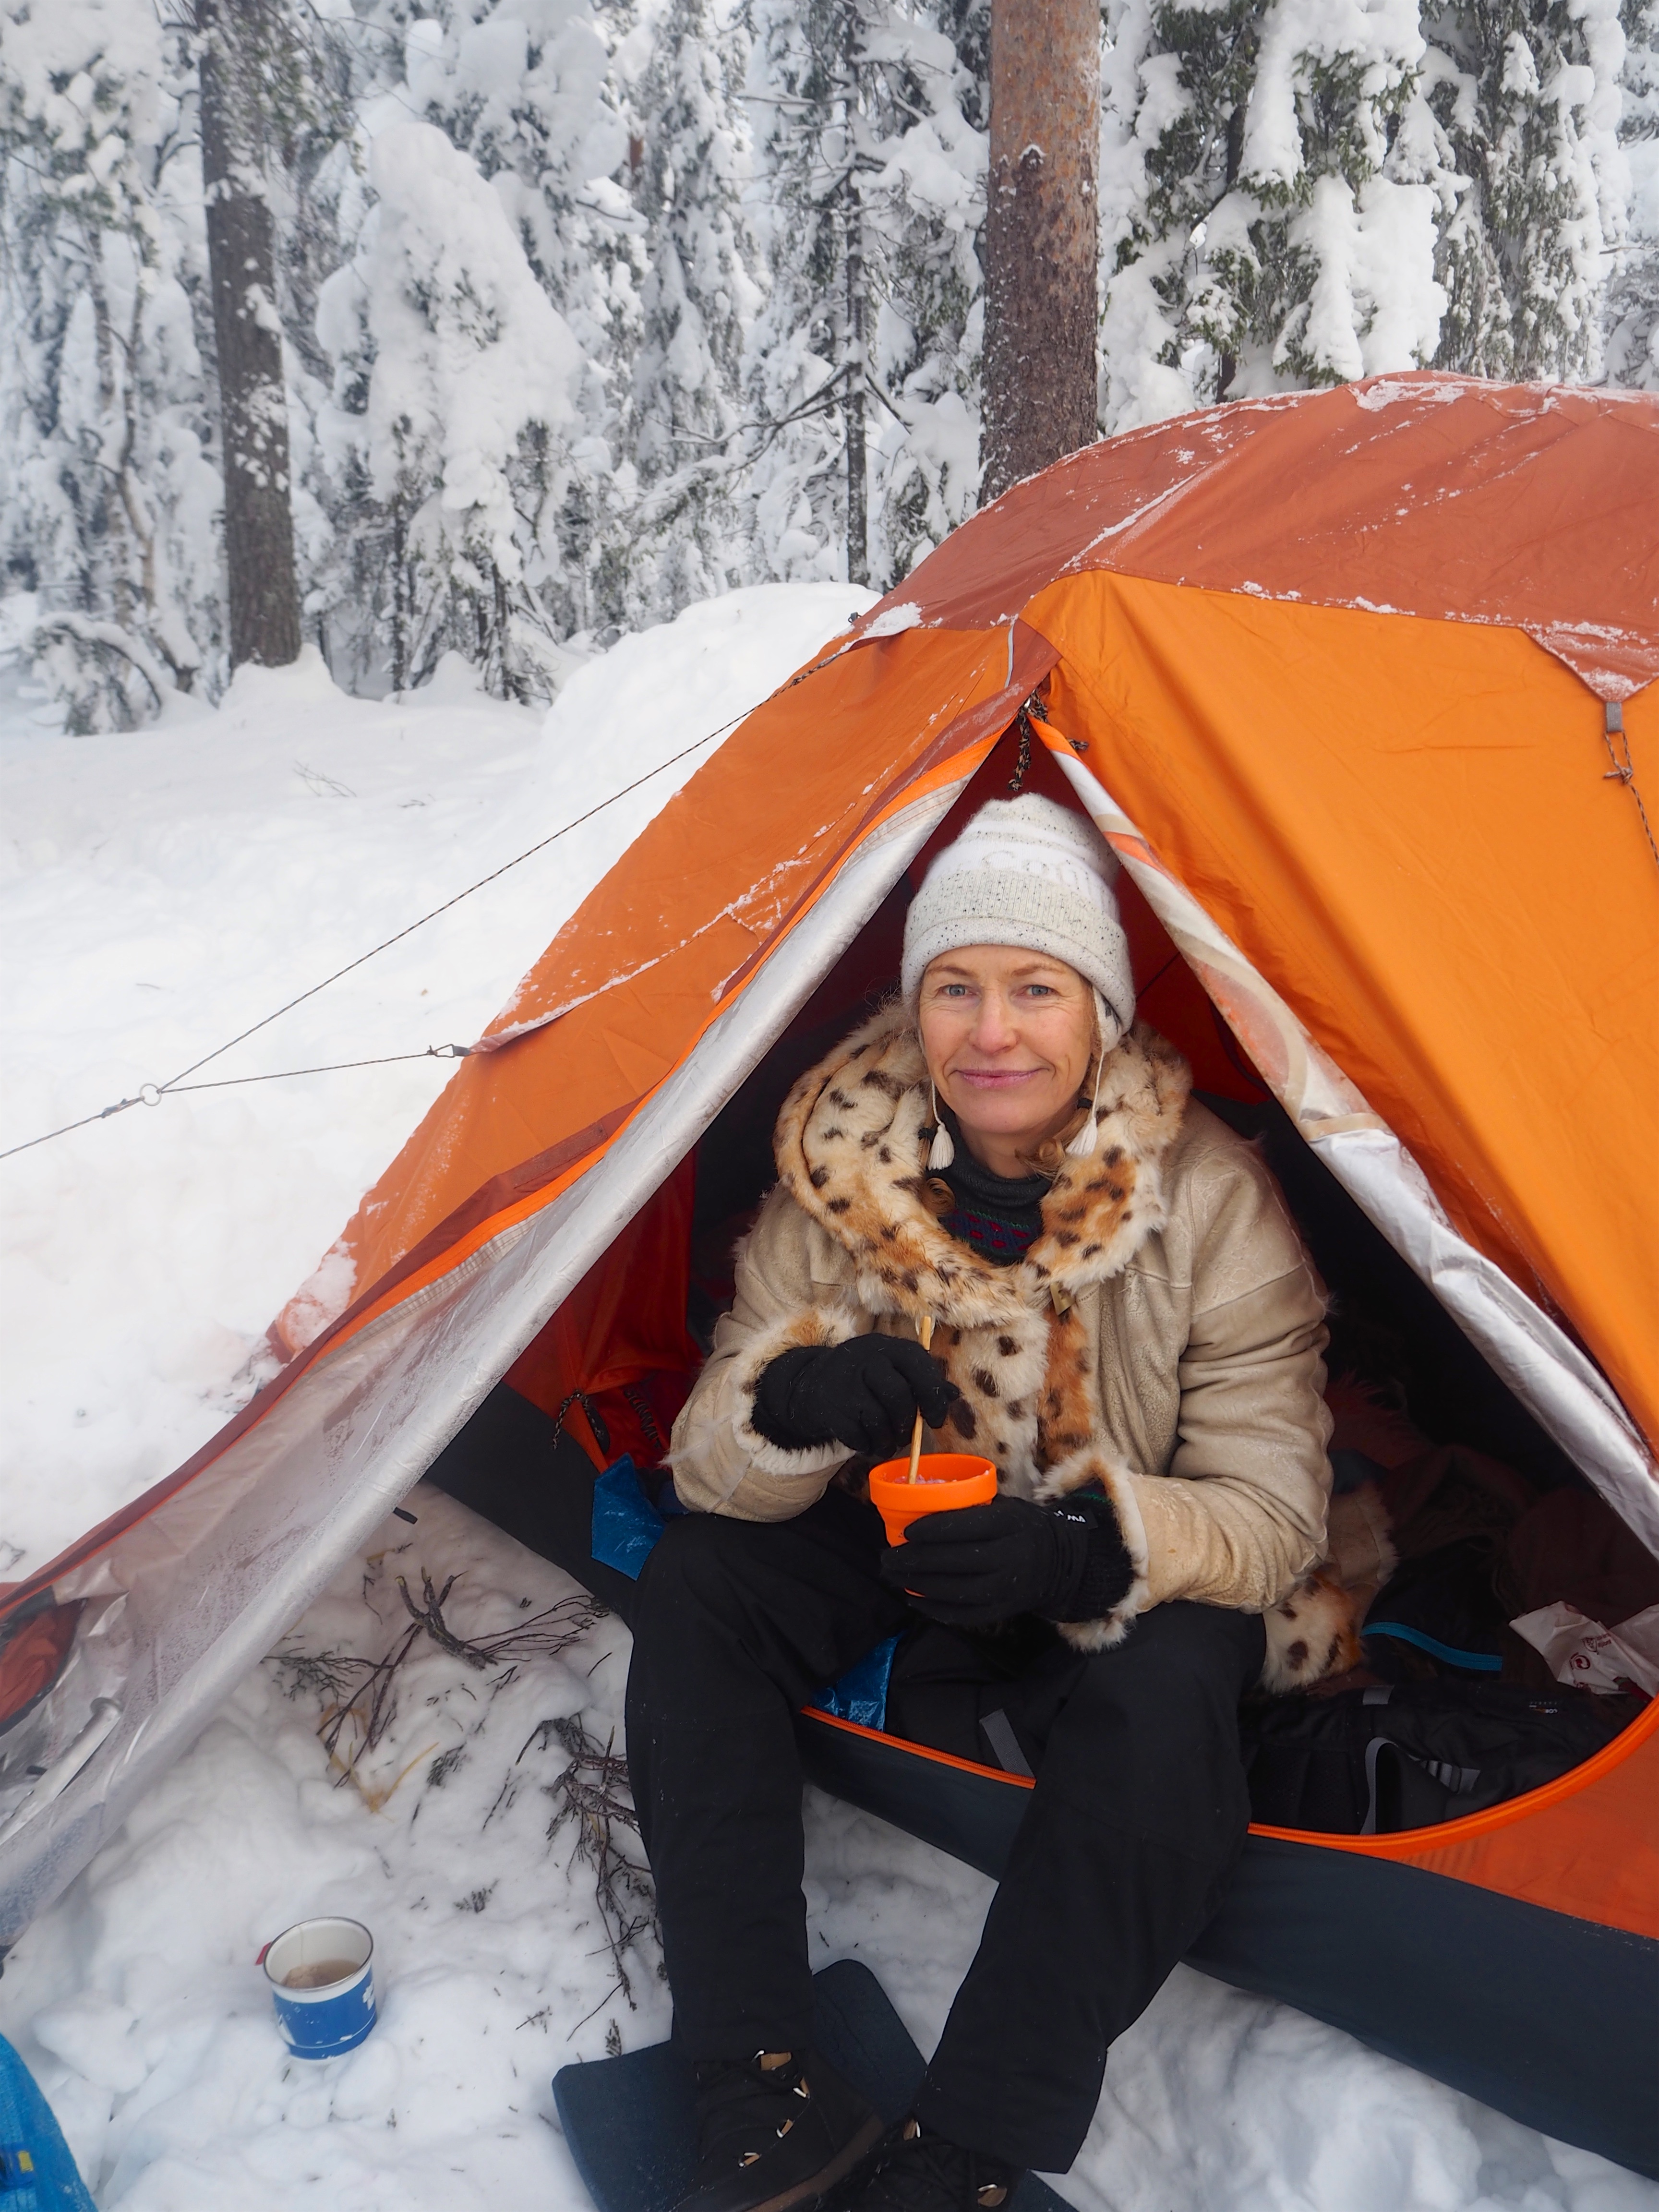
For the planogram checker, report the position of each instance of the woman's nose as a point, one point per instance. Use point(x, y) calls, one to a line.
point(993, 1032)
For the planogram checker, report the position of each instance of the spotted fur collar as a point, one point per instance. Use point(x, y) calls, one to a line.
point(850, 1153)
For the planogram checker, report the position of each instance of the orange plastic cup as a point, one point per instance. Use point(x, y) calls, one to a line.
point(944, 1481)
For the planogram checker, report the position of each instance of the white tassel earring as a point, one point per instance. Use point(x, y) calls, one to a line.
point(1083, 1145)
point(942, 1151)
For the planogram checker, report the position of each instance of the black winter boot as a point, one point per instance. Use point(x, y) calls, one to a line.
point(921, 2171)
point(776, 2134)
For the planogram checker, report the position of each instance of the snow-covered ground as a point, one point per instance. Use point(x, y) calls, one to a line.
point(157, 893)
point(160, 893)
point(136, 2002)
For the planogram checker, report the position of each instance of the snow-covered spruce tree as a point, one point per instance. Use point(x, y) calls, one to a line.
point(1632, 307)
point(863, 365)
point(111, 492)
point(798, 363)
point(1273, 183)
point(537, 97)
point(536, 100)
point(460, 383)
point(1527, 93)
point(341, 66)
point(925, 206)
point(687, 533)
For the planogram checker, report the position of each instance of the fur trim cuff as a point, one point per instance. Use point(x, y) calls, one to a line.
point(1090, 1469)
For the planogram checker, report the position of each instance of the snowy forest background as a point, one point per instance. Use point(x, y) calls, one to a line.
point(585, 305)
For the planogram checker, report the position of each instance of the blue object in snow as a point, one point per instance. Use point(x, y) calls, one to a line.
point(625, 1530)
point(37, 2174)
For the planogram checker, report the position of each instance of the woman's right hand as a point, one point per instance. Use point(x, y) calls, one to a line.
point(864, 1393)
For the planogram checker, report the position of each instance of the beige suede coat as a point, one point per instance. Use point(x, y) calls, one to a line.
point(1162, 1338)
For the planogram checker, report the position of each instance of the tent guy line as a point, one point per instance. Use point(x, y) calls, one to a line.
point(151, 1094)
point(1625, 771)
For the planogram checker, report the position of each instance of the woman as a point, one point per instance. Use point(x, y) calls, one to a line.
point(1127, 1325)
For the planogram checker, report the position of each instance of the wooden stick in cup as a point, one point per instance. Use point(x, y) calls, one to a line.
point(925, 1331)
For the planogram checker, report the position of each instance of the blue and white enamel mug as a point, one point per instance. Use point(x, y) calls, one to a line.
point(322, 1983)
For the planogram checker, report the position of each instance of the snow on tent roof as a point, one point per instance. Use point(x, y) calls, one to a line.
point(1525, 505)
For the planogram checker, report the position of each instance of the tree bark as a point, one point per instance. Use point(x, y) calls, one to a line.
point(237, 37)
point(1042, 238)
point(858, 486)
point(853, 357)
point(1227, 365)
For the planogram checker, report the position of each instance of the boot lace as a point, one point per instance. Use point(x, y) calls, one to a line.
point(926, 2173)
point(744, 2108)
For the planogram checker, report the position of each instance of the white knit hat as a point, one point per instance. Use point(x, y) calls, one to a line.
point(1029, 872)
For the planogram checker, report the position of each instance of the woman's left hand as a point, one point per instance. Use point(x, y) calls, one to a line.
point(983, 1564)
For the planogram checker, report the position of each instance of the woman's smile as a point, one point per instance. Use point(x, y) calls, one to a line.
point(996, 1079)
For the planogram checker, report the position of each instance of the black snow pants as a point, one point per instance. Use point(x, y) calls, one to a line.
point(1138, 1812)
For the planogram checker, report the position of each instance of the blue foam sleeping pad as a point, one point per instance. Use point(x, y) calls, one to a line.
point(630, 2123)
point(37, 2174)
point(625, 1530)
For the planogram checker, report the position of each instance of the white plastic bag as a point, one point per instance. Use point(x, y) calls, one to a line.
point(1586, 1656)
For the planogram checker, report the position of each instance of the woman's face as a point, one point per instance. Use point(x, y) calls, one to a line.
point(1008, 1036)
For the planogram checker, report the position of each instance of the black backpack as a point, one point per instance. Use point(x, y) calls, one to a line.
point(1412, 1755)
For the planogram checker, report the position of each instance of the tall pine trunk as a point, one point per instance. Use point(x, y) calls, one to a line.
point(858, 480)
point(1042, 238)
point(237, 52)
point(853, 362)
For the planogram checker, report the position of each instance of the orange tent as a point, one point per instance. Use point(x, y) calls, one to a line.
point(1359, 684)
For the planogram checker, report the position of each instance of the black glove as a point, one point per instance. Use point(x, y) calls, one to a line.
point(863, 1393)
point(983, 1564)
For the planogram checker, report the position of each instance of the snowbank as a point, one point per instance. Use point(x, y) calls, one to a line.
point(160, 893)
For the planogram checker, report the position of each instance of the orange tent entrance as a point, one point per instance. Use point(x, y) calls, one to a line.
point(1364, 1932)
point(1359, 685)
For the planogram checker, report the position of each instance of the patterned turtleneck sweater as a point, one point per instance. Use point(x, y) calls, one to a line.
point(999, 1215)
